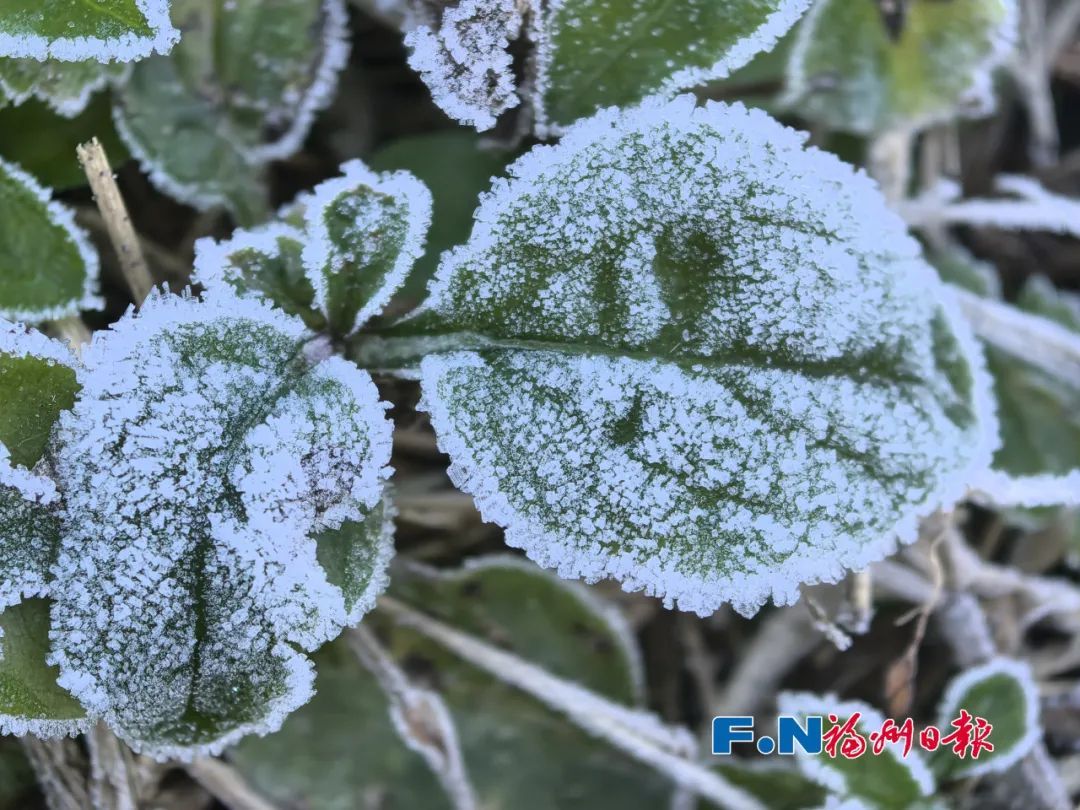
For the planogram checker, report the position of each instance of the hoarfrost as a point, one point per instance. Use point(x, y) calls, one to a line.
point(21, 34)
point(365, 230)
point(202, 460)
point(784, 399)
point(466, 62)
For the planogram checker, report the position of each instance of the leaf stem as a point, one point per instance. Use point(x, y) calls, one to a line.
point(117, 222)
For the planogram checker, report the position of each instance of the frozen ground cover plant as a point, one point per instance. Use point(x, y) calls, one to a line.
point(584, 54)
point(683, 350)
point(216, 505)
point(105, 30)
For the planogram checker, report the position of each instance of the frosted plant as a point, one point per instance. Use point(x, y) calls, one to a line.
point(216, 504)
point(105, 30)
point(48, 269)
point(241, 89)
point(586, 54)
point(354, 240)
point(684, 351)
point(465, 59)
point(66, 87)
point(856, 68)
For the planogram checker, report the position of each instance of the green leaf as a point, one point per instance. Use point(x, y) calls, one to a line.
point(341, 747)
point(31, 702)
point(43, 144)
point(105, 30)
point(210, 452)
point(885, 781)
point(456, 169)
point(851, 72)
point(364, 233)
point(261, 263)
point(48, 269)
point(683, 351)
point(66, 87)
point(596, 53)
point(1002, 692)
point(241, 89)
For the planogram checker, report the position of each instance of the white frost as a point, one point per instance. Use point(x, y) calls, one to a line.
point(372, 201)
point(125, 48)
point(763, 451)
point(61, 217)
point(466, 62)
point(202, 458)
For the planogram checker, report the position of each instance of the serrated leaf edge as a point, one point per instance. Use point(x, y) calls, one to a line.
point(60, 216)
point(815, 767)
point(69, 107)
point(125, 48)
point(213, 259)
point(949, 705)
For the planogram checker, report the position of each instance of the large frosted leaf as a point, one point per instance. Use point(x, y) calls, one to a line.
point(37, 383)
point(241, 89)
point(889, 780)
point(210, 466)
point(341, 747)
point(48, 269)
point(1002, 692)
point(364, 233)
point(855, 68)
point(683, 351)
point(596, 53)
point(65, 86)
point(104, 30)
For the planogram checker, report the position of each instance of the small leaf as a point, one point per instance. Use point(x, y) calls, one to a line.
point(66, 87)
point(364, 233)
point(1003, 692)
point(886, 781)
point(341, 747)
point(241, 89)
point(48, 269)
point(261, 263)
point(207, 457)
point(31, 702)
point(105, 30)
point(853, 68)
point(456, 168)
point(597, 53)
point(465, 59)
point(683, 351)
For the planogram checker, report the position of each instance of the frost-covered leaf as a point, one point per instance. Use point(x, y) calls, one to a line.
point(364, 233)
point(212, 466)
point(464, 58)
point(596, 53)
point(241, 89)
point(341, 747)
point(1003, 692)
point(856, 68)
point(43, 144)
point(105, 30)
point(456, 168)
point(683, 351)
point(48, 269)
point(261, 263)
point(65, 86)
point(37, 384)
point(885, 781)
point(31, 702)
